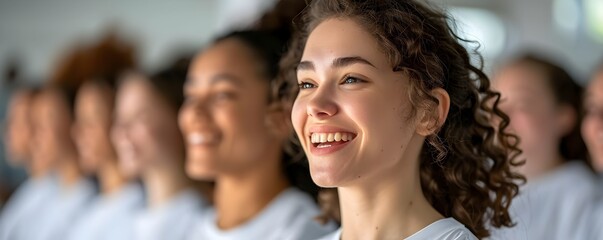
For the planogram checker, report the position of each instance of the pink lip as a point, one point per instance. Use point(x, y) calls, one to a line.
point(335, 146)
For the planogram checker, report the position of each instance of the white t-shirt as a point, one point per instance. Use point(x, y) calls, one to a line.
point(594, 220)
point(110, 217)
point(290, 216)
point(64, 208)
point(27, 203)
point(173, 220)
point(444, 229)
point(553, 206)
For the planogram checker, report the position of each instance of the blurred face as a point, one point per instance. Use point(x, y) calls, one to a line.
point(51, 123)
point(352, 111)
point(592, 126)
point(535, 117)
point(91, 130)
point(145, 132)
point(226, 119)
point(18, 129)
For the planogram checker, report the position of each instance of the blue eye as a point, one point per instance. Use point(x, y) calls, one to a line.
point(305, 85)
point(349, 80)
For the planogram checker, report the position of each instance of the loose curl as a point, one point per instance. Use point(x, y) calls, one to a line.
point(466, 164)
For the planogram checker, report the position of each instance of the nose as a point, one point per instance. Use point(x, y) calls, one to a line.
point(321, 106)
point(195, 113)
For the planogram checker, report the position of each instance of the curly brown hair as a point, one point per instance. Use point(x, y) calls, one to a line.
point(466, 165)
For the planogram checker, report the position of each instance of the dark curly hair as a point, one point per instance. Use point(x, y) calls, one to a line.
point(466, 166)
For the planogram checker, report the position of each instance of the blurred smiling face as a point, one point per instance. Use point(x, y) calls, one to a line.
point(352, 111)
point(535, 116)
point(224, 118)
point(18, 129)
point(52, 122)
point(145, 131)
point(592, 125)
point(92, 127)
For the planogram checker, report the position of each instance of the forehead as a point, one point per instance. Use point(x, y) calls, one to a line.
point(337, 37)
point(595, 87)
point(134, 90)
point(20, 101)
point(223, 55)
point(520, 77)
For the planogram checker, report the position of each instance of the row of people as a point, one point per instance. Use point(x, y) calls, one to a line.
point(380, 97)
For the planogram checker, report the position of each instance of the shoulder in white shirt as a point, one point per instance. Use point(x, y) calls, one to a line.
point(173, 220)
point(111, 217)
point(290, 216)
point(553, 206)
point(443, 229)
point(64, 208)
point(28, 202)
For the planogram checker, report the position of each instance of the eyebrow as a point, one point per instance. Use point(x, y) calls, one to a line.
point(337, 63)
point(221, 77)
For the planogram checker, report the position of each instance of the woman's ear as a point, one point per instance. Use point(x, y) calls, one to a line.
point(432, 119)
point(278, 120)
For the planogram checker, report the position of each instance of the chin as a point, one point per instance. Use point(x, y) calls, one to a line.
point(198, 172)
point(324, 178)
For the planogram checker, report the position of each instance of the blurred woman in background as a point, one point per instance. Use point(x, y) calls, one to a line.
point(235, 133)
point(120, 194)
point(543, 103)
point(150, 145)
point(53, 147)
point(592, 131)
point(592, 125)
point(36, 191)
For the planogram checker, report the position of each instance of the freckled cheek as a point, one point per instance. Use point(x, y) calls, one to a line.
point(372, 115)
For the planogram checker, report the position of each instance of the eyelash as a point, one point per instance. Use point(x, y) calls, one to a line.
point(348, 77)
point(346, 80)
point(305, 85)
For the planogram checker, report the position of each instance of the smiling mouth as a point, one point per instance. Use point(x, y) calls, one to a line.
point(327, 140)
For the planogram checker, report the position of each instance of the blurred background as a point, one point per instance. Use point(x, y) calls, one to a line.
point(33, 33)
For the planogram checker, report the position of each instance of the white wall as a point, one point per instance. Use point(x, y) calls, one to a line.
point(39, 30)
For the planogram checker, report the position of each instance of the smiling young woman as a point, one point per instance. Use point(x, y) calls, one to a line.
point(390, 111)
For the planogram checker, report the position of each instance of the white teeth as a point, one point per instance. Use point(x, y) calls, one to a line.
point(330, 137)
point(198, 138)
point(323, 137)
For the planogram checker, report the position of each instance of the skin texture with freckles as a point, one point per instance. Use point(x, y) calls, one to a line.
point(370, 107)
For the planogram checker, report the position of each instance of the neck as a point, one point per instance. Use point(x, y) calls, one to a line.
point(537, 169)
point(240, 197)
point(69, 172)
point(388, 206)
point(110, 178)
point(163, 183)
